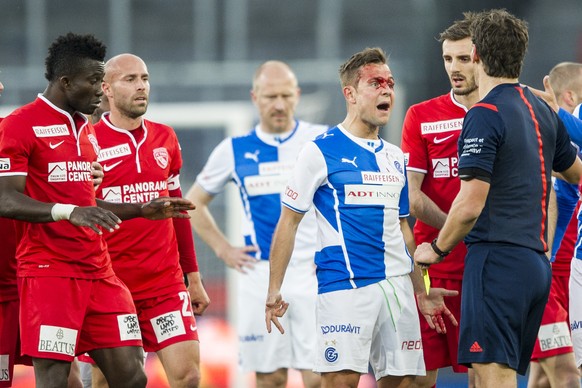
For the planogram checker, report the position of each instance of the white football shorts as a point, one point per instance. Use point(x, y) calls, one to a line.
point(576, 308)
point(260, 351)
point(376, 324)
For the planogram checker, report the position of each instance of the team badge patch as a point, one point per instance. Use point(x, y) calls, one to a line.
point(94, 143)
point(330, 353)
point(161, 156)
point(398, 167)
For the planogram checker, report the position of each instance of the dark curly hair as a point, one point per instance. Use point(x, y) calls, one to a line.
point(68, 52)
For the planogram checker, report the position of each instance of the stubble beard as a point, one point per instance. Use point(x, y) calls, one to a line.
point(465, 91)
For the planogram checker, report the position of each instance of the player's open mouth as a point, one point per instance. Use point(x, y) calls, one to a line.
point(385, 106)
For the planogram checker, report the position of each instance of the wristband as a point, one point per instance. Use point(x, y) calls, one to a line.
point(61, 211)
point(437, 250)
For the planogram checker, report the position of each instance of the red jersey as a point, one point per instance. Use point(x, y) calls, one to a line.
point(54, 150)
point(144, 253)
point(429, 140)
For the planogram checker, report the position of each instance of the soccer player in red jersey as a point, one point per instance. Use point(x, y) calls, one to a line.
point(429, 139)
point(142, 160)
point(71, 302)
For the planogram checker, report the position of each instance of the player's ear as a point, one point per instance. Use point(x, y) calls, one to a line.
point(65, 82)
point(106, 87)
point(253, 96)
point(349, 94)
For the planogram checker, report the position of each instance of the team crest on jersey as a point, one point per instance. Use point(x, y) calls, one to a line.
point(94, 143)
point(398, 166)
point(161, 156)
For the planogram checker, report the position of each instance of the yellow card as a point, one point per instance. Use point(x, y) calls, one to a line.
point(426, 279)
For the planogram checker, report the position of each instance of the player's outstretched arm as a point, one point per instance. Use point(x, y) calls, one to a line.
point(17, 205)
point(156, 209)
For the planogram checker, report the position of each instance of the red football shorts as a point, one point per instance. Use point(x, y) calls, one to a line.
point(554, 337)
point(10, 342)
point(166, 319)
point(64, 317)
point(441, 350)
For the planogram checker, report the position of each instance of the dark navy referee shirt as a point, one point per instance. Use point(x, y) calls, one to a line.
point(513, 140)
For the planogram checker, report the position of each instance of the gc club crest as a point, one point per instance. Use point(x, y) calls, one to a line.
point(94, 143)
point(161, 157)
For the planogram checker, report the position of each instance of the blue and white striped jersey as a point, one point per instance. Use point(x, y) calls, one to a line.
point(574, 128)
point(359, 191)
point(259, 163)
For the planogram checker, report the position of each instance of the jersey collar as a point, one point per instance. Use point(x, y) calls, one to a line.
point(275, 139)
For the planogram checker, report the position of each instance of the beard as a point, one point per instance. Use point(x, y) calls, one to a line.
point(465, 91)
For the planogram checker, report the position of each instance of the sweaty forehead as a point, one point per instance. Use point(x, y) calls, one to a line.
point(375, 70)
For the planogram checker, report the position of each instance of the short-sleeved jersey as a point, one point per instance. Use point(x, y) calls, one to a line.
point(567, 197)
point(517, 140)
point(573, 124)
point(429, 141)
point(259, 164)
point(359, 191)
point(144, 253)
point(54, 151)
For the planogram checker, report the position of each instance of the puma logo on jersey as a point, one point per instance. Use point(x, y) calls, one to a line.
point(353, 161)
point(327, 134)
point(253, 155)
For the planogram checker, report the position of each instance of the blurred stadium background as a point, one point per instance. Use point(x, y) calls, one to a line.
point(201, 56)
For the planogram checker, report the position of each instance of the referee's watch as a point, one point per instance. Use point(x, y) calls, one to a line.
point(436, 249)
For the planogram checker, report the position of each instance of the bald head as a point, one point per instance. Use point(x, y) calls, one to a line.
point(126, 85)
point(120, 64)
point(275, 94)
point(273, 70)
point(566, 80)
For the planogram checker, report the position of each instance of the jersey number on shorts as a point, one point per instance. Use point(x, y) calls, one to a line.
point(185, 298)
